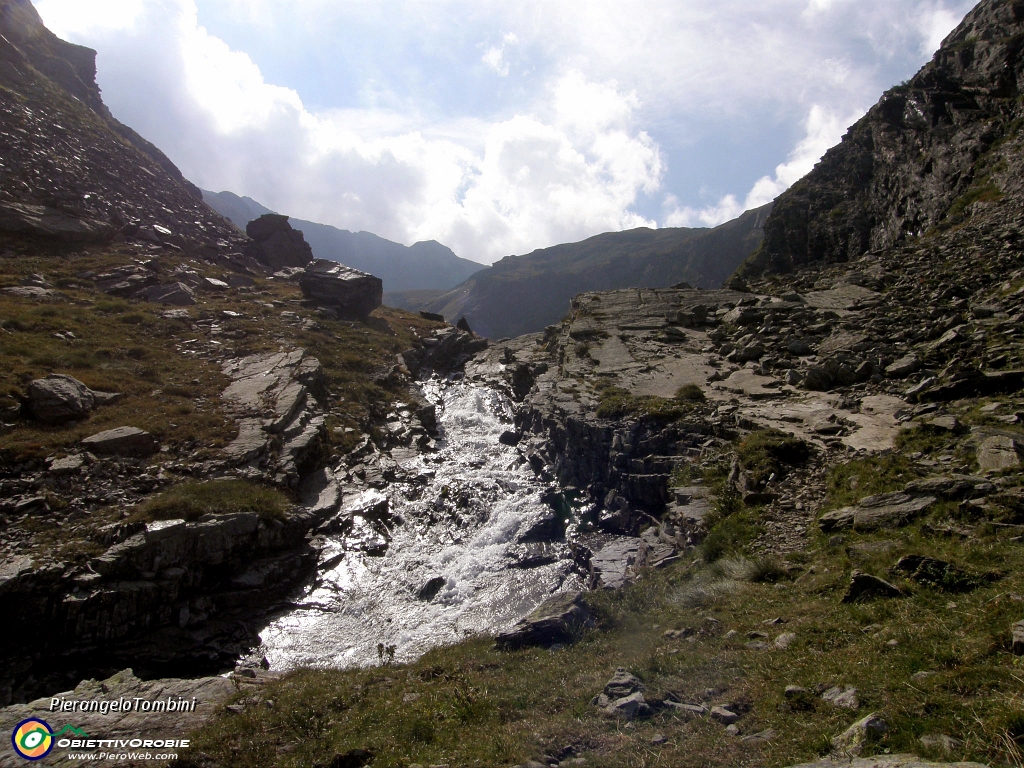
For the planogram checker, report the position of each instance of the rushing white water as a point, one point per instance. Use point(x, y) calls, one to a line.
point(479, 499)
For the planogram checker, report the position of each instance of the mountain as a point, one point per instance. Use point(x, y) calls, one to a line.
point(70, 170)
point(421, 266)
point(931, 153)
point(524, 294)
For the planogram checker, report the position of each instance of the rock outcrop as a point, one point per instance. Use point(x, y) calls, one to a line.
point(276, 245)
point(933, 152)
point(349, 292)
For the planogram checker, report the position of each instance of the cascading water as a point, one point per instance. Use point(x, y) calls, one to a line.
point(451, 566)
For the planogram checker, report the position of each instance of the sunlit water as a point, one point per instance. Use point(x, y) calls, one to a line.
point(459, 527)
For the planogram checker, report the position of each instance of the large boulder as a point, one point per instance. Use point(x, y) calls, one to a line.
point(123, 441)
point(558, 620)
point(350, 292)
point(59, 398)
point(276, 244)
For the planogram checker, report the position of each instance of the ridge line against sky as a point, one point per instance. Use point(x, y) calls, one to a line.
point(497, 129)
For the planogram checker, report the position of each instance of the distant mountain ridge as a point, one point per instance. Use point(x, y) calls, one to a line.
point(524, 294)
point(422, 266)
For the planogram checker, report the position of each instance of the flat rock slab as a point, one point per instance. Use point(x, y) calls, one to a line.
point(123, 441)
point(889, 510)
point(886, 761)
point(612, 564)
point(842, 298)
point(997, 454)
point(209, 693)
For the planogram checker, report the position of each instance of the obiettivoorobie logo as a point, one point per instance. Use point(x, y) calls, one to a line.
point(33, 738)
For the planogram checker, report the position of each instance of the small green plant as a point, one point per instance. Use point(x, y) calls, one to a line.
point(690, 393)
point(192, 500)
point(386, 654)
point(768, 452)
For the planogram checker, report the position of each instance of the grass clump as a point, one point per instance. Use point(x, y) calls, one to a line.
point(690, 393)
point(192, 500)
point(619, 403)
point(768, 452)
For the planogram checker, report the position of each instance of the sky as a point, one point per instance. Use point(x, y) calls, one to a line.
point(493, 127)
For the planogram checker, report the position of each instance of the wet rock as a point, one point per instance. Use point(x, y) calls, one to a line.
point(122, 441)
point(851, 742)
point(889, 510)
point(348, 291)
point(429, 590)
point(58, 399)
point(558, 620)
point(864, 586)
point(276, 244)
point(175, 294)
point(998, 453)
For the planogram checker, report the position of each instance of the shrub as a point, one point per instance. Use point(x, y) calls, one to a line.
point(691, 393)
point(767, 452)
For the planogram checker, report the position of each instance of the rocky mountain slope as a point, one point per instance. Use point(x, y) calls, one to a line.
point(422, 266)
point(524, 294)
point(932, 152)
point(72, 171)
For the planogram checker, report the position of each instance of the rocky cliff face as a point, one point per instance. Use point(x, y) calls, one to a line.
point(926, 157)
point(71, 171)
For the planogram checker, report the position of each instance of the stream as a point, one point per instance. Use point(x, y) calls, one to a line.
point(453, 558)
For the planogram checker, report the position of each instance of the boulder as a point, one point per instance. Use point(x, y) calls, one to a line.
point(276, 244)
point(350, 292)
point(904, 367)
point(558, 620)
point(887, 510)
point(176, 294)
point(864, 586)
point(58, 399)
point(844, 698)
point(123, 441)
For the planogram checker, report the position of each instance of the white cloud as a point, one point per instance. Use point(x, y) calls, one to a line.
point(495, 57)
point(824, 129)
point(568, 142)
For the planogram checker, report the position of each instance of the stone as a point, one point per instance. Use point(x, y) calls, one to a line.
point(764, 737)
point(887, 510)
point(724, 716)
point(622, 684)
point(123, 441)
point(936, 573)
point(235, 280)
point(432, 316)
point(348, 291)
point(277, 244)
point(175, 294)
point(59, 398)
point(997, 454)
point(68, 465)
point(851, 742)
point(558, 620)
point(429, 590)
point(903, 367)
point(1017, 632)
point(786, 639)
point(885, 761)
point(840, 697)
point(687, 710)
point(864, 586)
point(941, 742)
point(629, 707)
